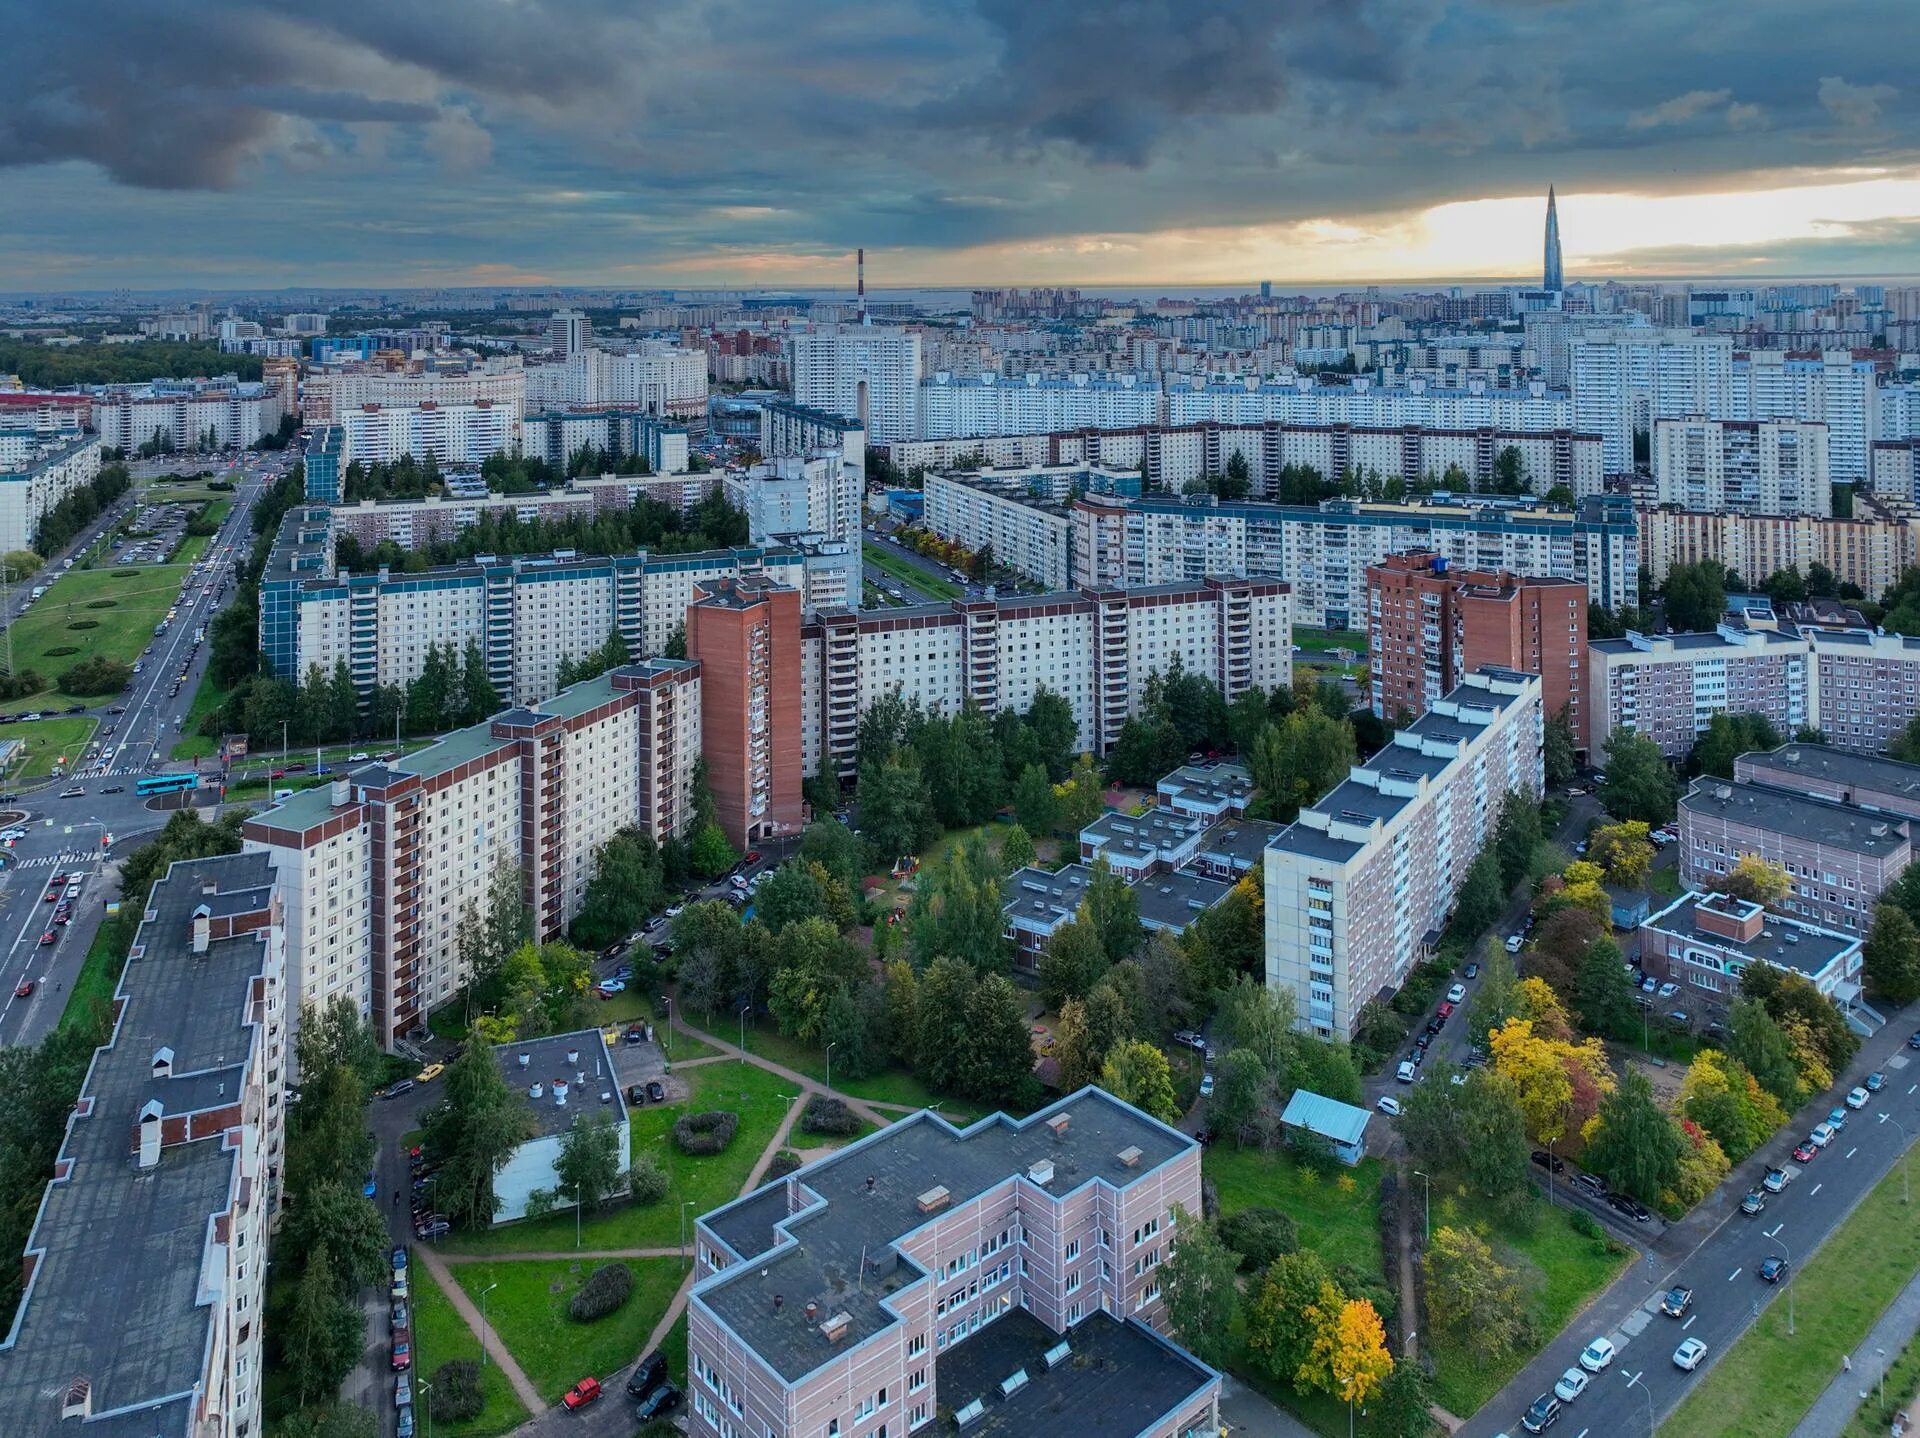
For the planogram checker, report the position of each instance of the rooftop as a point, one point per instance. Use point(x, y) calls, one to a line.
point(571, 1071)
point(1836, 826)
point(1238, 841)
point(1328, 1117)
point(1172, 901)
point(1118, 1380)
point(840, 1251)
point(1141, 836)
point(120, 1294)
point(1037, 898)
point(1210, 786)
point(1822, 764)
point(1785, 943)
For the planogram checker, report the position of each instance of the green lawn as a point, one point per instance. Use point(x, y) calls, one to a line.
point(441, 1335)
point(1561, 1270)
point(47, 740)
point(1341, 1224)
point(528, 1310)
point(1875, 1415)
point(131, 600)
point(760, 1098)
point(1665, 884)
point(1317, 641)
point(895, 1086)
point(98, 974)
point(1763, 1385)
point(207, 697)
point(908, 574)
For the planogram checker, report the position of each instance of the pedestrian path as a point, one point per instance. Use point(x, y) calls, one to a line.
point(496, 1350)
point(1856, 1376)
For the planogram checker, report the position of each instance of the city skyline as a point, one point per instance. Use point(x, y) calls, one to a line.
point(978, 143)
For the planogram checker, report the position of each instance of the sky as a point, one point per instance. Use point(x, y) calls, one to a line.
point(686, 143)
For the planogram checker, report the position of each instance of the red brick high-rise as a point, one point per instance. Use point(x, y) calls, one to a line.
point(1429, 625)
point(745, 633)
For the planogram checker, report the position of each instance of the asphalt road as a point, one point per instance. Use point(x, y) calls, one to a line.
point(1717, 1252)
point(64, 835)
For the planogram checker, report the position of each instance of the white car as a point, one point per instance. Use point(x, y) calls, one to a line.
point(1857, 1098)
point(360, 758)
point(1206, 1085)
point(13, 834)
point(1456, 993)
point(1405, 1072)
point(1515, 942)
point(1597, 1355)
point(1821, 1136)
point(1389, 1105)
point(1571, 1385)
point(1689, 1354)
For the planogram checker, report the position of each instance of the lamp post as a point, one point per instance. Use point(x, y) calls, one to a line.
point(1883, 1375)
point(743, 1034)
point(666, 1026)
point(1636, 1380)
point(1906, 1142)
point(1427, 1183)
point(483, 1321)
point(687, 1204)
point(426, 1390)
point(830, 1067)
point(1789, 1259)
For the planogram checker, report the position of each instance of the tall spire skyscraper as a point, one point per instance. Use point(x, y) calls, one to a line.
point(1553, 279)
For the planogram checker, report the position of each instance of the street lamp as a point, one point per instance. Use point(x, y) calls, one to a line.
point(687, 1204)
point(1906, 1142)
point(1883, 1375)
point(426, 1390)
point(1775, 1237)
point(830, 1066)
point(743, 1033)
point(1427, 1183)
point(1637, 1380)
point(666, 1026)
point(483, 1321)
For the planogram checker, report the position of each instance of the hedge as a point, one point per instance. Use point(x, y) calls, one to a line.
point(784, 1163)
point(828, 1115)
point(705, 1134)
point(454, 1393)
point(606, 1289)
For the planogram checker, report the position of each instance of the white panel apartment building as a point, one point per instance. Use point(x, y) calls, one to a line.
point(1323, 552)
point(1624, 379)
point(1773, 466)
point(1096, 649)
point(1832, 388)
point(1668, 687)
point(869, 375)
point(146, 1266)
point(332, 391)
point(653, 376)
point(817, 494)
point(451, 433)
point(380, 866)
point(37, 471)
point(1022, 515)
point(182, 413)
point(1360, 884)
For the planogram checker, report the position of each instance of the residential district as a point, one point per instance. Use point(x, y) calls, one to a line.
point(796, 864)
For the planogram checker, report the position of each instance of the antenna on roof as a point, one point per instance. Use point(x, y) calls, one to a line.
point(860, 281)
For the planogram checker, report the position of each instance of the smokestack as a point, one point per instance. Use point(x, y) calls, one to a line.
point(860, 286)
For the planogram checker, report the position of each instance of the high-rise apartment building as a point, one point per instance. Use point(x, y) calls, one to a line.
point(334, 390)
point(1430, 625)
point(1830, 387)
point(1866, 685)
point(569, 332)
point(818, 494)
point(222, 413)
point(144, 1308)
point(1772, 466)
point(1624, 379)
point(1668, 687)
point(453, 434)
point(1872, 549)
point(745, 634)
point(380, 867)
point(870, 376)
point(651, 376)
point(38, 470)
point(1360, 885)
point(1004, 1274)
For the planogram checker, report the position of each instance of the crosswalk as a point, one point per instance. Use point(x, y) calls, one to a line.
point(50, 861)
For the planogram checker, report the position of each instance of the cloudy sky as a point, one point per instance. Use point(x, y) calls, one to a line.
point(227, 143)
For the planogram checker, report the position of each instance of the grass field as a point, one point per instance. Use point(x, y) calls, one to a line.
point(130, 602)
point(1341, 1225)
point(889, 1086)
point(761, 1100)
point(97, 975)
point(440, 1335)
point(907, 573)
point(207, 698)
point(47, 740)
point(529, 1311)
point(1763, 1385)
point(1317, 641)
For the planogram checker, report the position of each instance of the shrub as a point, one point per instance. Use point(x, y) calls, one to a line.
point(606, 1288)
point(784, 1163)
point(103, 604)
point(829, 1116)
point(1259, 1235)
point(123, 574)
point(646, 1180)
point(659, 1428)
point(98, 675)
point(704, 1134)
point(20, 683)
point(454, 1393)
point(84, 624)
point(1583, 1224)
point(61, 651)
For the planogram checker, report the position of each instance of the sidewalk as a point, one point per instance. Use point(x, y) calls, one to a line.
point(1896, 1328)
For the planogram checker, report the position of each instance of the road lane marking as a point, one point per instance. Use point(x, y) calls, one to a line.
point(1912, 1087)
point(1688, 1324)
point(1852, 1151)
point(1735, 1274)
point(1583, 1433)
point(1814, 1190)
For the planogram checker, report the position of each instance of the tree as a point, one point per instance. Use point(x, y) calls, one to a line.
point(1558, 751)
point(1075, 1058)
point(1404, 1408)
point(1113, 911)
point(1137, 1073)
point(1639, 783)
point(815, 965)
point(1549, 1076)
point(1581, 887)
point(1072, 962)
point(1603, 994)
point(896, 809)
point(1764, 1050)
point(1256, 1018)
point(1758, 881)
point(1695, 595)
point(1635, 1147)
point(1016, 850)
point(627, 885)
point(1299, 759)
point(1197, 1281)
point(1228, 939)
point(957, 911)
point(1082, 798)
point(1482, 896)
point(1492, 1135)
point(1033, 803)
point(1729, 736)
point(1509, 471)
point(1495, 999)
point(320, 1336)
point(711, 854)
point(1516, 836)
point(334, 1216)
point(1240, 1087)
point(1353, 1346)
point(1891, 956)
point(1279, 1331)
point(1473, 1297)
point(796, 890)
point(1623, 850)
point(997, 1065)
point(588, 1165)
point(474, 1132)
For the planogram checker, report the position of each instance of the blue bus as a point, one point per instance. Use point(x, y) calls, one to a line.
point(166, 784)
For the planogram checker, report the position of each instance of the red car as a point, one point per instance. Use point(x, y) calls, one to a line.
point(24, 989)
point(48, 937)
point(55, 890)
point(1444, 1012)
point(1803, 1153)
point(582, 1393)
point(402, 1353)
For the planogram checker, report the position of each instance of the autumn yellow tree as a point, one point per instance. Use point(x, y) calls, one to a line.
point(1582, 886)
point(1321, 1319)
point(1754, 879)
point(1541, 1006)
point(1623, 851)
point(1808, 1056)
point(1352, 1351)
point(1557, 1083)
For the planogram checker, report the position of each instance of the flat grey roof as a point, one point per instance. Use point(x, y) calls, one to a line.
point(1779, 767)
point(1208, 784)
point(852, 1223)
point(547, 1064)
point(1141, 834)
point(116, 1295)
point(1837, 826)
point(1175, 900)
point(1039, 897)
point(1239, 840)
point(1809, 953)
point(1122, 1380)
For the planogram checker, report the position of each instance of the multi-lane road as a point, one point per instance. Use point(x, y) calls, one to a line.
point(65, 835)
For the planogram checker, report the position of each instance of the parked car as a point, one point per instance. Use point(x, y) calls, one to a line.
point(1571, 1385)
point(1405, 1073)
point(1550, 1162)
point(1876, 1081)
point(403, 1391)
point(1753, 1203)
point(430, 1073)
point(1857, 1098)
point(1206, 1085)
point(1544, 1413)
point(636, 1094)
point(656, 1091)
point(1457, 994)
point(663, 1399)
point(1515, 942)
point(582, 1393)
point(1777, 1179)
point(398, 1258)
point(1772, 1270)
point(1836, 1119)
point(1677, 1301)
point(402, 1355)
point(1632, 1207)
point(1822, 1135)
point(1589, 1185)
point(397, 1320)
point(647, 1375)
point(1689, 1354)
point(1804, 1151)
point(1597, 1355)
point(1389, 1105)
point(1472, 971)
point(397, 1088)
